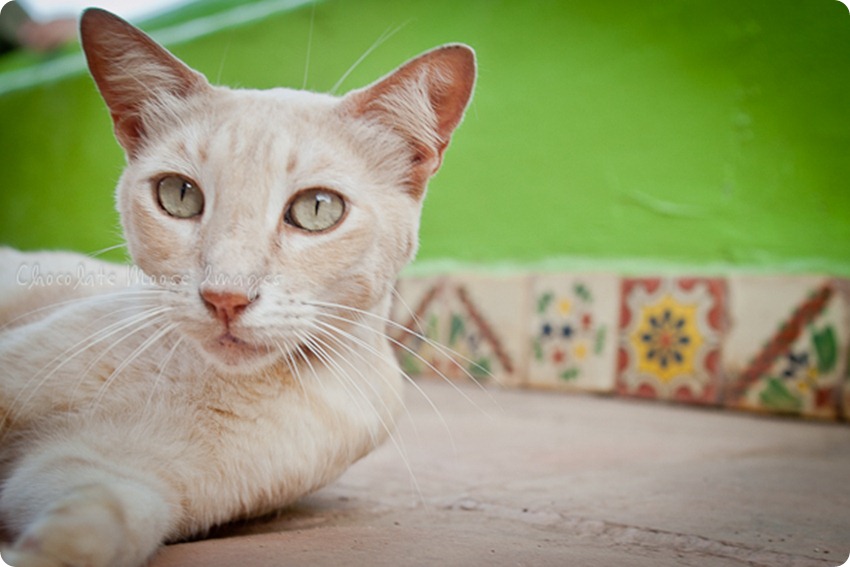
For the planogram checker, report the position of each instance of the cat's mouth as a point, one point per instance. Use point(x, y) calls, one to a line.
point(235, 352)
point(228, 340)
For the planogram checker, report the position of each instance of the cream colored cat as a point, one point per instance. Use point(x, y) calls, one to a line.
point(245, 363)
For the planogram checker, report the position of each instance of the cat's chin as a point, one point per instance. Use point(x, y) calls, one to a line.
point(233, 355)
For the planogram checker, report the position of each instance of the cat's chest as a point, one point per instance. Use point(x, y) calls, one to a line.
point(262, 452)
point(283, 412)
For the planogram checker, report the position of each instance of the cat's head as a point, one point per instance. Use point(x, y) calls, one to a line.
point(261, 209)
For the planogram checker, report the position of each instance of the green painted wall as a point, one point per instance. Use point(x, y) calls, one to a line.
point(690, 133)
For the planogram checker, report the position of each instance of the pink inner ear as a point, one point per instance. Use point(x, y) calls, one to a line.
point(129, 131)
point(423, 101)
point(131, 70)
point(451, 98)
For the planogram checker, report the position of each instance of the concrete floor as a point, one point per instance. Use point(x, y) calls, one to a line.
point(526, 478)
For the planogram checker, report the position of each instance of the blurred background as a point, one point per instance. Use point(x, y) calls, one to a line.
point(690, 134)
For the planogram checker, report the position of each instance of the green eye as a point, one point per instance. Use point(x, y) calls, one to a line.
point(315, 210)
point(179, 197)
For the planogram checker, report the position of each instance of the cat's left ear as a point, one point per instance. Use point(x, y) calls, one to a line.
point(132, 72)
point(423, 101)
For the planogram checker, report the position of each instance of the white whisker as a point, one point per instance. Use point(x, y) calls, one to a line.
point(332, 330)
point(302, 339)
point(318, 347)
point(359, 372)
point(291, 363)
point(161, 371)
point(223, 60)
point(410, 311)
point(107, 249)
point(378, 42)
point(450, 354)
point(309, 46)
point(85, 373)
point(343, 378)
point(17, 406)
point(417, 355)
point(83, 301)
point(146, 344)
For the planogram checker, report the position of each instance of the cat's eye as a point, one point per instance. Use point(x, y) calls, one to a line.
point(179, 197)
point(315, 210)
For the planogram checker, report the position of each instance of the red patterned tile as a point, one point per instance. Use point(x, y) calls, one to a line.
point(671, 331)
point(786, 351)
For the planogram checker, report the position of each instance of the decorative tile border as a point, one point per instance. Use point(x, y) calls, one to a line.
point(573, 332)
point(482, 316)
point(784, 352)
point(842, 287)
point(470, 322)
point(418, 312)
point(776, 344)
point(670, 335)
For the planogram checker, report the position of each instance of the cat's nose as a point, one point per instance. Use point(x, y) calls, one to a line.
point(226, 305)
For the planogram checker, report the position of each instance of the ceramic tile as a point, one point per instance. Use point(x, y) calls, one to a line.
point(463, 327)
point(842, 288)
point(786, 349)
point(485, 327)
point(670, 338)
point(573, 331)
point(418, 312)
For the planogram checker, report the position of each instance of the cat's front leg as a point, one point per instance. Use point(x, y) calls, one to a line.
point(85, 528)
point(75, 512)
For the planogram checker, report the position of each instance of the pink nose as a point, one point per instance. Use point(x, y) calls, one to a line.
point(227, 305)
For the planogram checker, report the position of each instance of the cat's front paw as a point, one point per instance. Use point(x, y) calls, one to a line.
point(28, 559)
point(82, 530)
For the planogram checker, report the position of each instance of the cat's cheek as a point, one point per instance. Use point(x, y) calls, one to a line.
point(161, 247)
point(359, 291)
point(408, 246)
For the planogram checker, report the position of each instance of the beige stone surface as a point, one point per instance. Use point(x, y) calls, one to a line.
point(530, 478)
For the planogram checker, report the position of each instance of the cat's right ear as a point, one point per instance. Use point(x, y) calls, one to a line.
point(132, 71)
